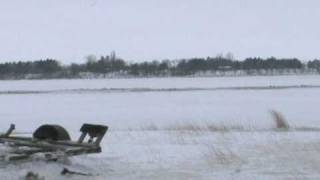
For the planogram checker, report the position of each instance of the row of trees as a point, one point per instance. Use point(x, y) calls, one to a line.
point(45, 68)
point(183, 67)
point(51, 68)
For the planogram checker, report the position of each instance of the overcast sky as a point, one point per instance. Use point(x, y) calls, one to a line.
point(137, 30)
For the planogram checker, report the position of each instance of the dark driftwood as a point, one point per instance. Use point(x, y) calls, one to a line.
point(66, 171)
point(49, 146)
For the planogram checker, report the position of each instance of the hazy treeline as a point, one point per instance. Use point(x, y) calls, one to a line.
point(111, 66)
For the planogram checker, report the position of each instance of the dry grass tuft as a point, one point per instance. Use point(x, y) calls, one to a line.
point(184, 127)
point(150, 127)
point(279, 120)
point(193, 127)
point(221, 156)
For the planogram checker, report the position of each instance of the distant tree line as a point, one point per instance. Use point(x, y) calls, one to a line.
point(18, 70)
point(106, 66)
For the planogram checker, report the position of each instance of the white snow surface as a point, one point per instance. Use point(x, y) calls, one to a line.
point(195, 134)
point(158, 83)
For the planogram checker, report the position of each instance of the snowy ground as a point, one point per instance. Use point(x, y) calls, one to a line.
point(175, 128)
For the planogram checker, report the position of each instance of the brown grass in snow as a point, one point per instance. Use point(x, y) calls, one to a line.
point(279, 120)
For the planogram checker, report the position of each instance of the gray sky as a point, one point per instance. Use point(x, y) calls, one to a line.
point(157, 29)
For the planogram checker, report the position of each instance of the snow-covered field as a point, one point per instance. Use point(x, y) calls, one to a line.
point(175, 128)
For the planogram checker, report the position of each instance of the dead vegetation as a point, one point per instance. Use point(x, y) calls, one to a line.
point(280, 121)
point(192, 127)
